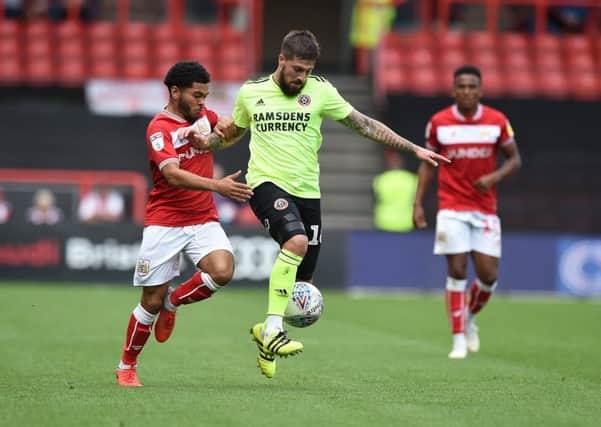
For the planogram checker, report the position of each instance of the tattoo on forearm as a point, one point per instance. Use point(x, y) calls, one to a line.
point(377, 131)
point(216, 143)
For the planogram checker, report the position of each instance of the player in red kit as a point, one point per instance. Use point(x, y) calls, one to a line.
point(180, 214)
point(471, 135)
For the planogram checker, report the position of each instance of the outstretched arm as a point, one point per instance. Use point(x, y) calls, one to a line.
point(379, 132)
point(216, 142)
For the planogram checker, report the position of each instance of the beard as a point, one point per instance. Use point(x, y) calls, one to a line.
point(287, 88)
point(186, 111)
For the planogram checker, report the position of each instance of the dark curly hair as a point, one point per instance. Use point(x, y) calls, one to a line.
point(183, 74)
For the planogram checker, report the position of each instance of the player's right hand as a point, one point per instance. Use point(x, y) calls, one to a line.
point(419, 217)
point(229, 187)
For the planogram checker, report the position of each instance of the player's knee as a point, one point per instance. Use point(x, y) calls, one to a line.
point(297, 244)
point(457, 271)
point(488, 277)
point(222, 272)
point(152, 302)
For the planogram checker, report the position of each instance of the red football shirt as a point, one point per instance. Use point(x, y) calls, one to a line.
point(168, 205)
point(472, 144)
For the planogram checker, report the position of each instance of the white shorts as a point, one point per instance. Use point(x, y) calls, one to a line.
point(460, 232)
point(159, 257)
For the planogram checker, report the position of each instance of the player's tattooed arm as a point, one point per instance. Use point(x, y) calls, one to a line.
point(379, 132)
point(216, 142)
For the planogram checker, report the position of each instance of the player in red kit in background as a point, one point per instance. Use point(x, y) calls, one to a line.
point(180, 214)
point(470, 134)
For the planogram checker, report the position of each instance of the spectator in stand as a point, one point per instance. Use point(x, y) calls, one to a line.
point(227, 209)
point(394, 192)
point(44, 210)
point(102, 204)
point(6, 209)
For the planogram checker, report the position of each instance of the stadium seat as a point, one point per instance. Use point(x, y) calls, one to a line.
point(478, 41)
point(390, 57)
point(493, 83)
point(511, 42)
point(167, 51)
point(134, 32)
point(38, 48)
point(135, 51)
point(549, 60)
point(516, 60)
point(553, 83)
point(10, 71)
point(39, 71)
point(415, 40)
point(585, 86)
point(392, 39)
point(547, 43)
point(231, 52)
point(580, 61)
point(450, 40)
point(103, 68)
point(392, 80)
point(521, 84)
point(68, 30)
point(485, 58)
point(452, 58)
point(199, 34)
point(201, 52)
point(71, 72)
point(37, 30)
point(577, 43)
point(421, 57)
point(136, 69)
point(9, 48)
point(70, 48)
point(101, 31)
point(165, 33)
point(9, 29)
point(232, 73)
point(424, 81)
point(101, 49)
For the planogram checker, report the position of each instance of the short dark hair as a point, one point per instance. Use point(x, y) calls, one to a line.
point(183, 74)
point(301, 44)
point(468, 69)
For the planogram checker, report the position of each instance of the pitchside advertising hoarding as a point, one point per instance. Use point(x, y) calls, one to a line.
point(108, 254)
point(530, 263)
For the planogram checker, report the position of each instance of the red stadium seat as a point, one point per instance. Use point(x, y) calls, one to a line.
point(10, 71)
point(72, 72)
point(199, 34)
point(390, 57)
point(101, 49)
point(511, 42)
point(231, 52)
point(392, 39)
point(135, 50)
point(68, 30)
point(137, 69)
point(201, 52)
point(550, 60)
point(493, 84)
point(547, 42)
point(553, 83)
point(38, 48)
point(516, 60)
point(70, 48)
point(577, 43)
point(521, 84)
point(585, 86)
point(167, 51)
point(9, 47)
point(101, 31)
point(421, 57)
point(9, 29)
point(36, 30)
point(233, 73)
point(450, 40)
point(580, 61)
point(104, 68)
point(452, 58)
point(165, 33)
point(134, 32)
point(416, 40)
point(39, 71)
point(392, 80)
point(425, 81)
point(480, 41)
point(486, 58)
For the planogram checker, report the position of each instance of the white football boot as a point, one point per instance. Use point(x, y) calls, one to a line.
point(459, 350)
point(471, 334)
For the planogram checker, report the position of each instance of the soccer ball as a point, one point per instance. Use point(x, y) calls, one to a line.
point(305, 305)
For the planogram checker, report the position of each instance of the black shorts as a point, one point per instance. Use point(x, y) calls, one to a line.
point(284, 216)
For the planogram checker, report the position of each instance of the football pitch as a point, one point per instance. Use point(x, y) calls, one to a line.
point(374, 361)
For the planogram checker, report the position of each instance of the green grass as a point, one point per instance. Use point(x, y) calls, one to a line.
point(377, 361)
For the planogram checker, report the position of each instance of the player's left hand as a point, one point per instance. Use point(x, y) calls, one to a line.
point(194, 137)
point(225, 128)
point(485, 183)
point(430, 156)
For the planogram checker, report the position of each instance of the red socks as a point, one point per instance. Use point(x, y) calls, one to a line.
point(197, 288)
point(138, 331)
point(479, 295)
point(455, 299)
